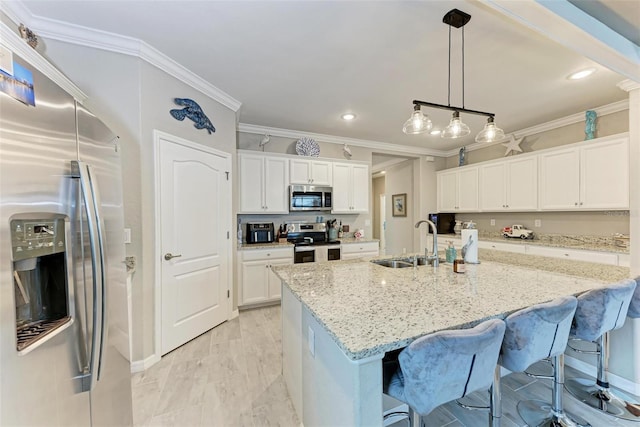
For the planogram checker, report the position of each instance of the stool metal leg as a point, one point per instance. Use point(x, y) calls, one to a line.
point(495, 400)
point(598, 395)
point(540, 413)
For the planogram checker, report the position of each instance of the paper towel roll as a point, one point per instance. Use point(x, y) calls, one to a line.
point(470, 241)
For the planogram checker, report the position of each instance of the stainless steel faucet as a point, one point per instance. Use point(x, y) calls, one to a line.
point(434, 255)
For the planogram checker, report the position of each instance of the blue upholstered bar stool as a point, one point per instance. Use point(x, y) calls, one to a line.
point(534, 334)
point(445, 366)
point(599, 312)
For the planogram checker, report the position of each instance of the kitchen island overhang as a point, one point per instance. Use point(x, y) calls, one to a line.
point(340, 318)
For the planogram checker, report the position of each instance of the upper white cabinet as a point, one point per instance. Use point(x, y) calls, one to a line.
point(314, 172)
point(509, 185)
point(458, 190)
point(264, 182)
point(350, 188)
point(593, 176)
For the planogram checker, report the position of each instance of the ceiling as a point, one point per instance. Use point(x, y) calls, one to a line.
point(300, 65)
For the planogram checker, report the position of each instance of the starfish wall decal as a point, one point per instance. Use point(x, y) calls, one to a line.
point(513, 145)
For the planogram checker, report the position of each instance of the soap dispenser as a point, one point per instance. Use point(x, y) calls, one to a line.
point(450, 252)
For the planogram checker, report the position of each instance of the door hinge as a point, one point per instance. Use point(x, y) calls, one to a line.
point(227, 175)
point(228, 293)
point(227, 235)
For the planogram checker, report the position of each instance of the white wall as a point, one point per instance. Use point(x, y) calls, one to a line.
point(134, 98)
point(400, 231)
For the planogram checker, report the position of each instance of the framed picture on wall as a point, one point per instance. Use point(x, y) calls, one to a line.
point(399, 204)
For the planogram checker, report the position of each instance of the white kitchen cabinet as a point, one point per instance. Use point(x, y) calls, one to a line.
point(359, 250)
point(264, 184)
point(574, 254)
point(257, 283)
point(509, 185)
point(315, 172)
point(499, 246)
point(594, 176)
point(458, 190)
point(604, 175)
point(350, 188)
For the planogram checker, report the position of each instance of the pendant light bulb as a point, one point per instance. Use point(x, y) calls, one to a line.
point(490, 132)
point(418, 123)
point(456, 128)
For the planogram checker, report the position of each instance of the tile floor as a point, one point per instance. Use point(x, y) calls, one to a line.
point(231, 376)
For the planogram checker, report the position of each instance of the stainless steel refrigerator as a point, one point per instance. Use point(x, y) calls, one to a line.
point(64, 341)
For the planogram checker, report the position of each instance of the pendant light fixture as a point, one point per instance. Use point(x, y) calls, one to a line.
point(420, 123)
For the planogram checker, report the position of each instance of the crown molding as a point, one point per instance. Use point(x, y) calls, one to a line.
point(569, 26)
point(13, 42)
point(628, 85)
point(553, 124)
point(103, 40)
point(382, 147)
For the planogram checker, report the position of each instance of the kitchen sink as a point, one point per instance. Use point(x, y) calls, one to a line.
point(403, 262)
point(392, 263)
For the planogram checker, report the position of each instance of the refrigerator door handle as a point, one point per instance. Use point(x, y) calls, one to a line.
point(83, 172)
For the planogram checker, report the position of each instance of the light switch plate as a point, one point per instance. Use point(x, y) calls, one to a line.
point(537, 223)
point(367, 222)
point(311, 338)
point(127, 235)
point(493, 221)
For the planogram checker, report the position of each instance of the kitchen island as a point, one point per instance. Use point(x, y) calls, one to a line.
point(340, 318)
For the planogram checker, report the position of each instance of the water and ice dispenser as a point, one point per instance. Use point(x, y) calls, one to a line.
point(40, 277)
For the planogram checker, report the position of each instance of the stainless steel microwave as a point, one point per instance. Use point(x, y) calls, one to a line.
point(309, 198)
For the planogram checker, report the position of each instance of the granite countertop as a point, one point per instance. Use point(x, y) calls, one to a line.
point(273, 245)
point(349, 240)
point(591, 243)
point(369, 309)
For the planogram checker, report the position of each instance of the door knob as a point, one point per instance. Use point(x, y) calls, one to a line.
point(168, 256)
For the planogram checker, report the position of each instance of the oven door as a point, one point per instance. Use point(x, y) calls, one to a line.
point(304, 254)
point(333, 253)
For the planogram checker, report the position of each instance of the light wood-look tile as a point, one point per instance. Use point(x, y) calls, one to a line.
point(232, 376)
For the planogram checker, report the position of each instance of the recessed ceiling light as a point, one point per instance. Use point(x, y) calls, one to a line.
point(435, 132)
point(581, 74)
point(348, 116)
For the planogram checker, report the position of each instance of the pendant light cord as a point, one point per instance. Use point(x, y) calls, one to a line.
point(449, 77)
point(462, 65)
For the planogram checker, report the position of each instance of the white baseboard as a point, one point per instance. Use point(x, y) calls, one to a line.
point(143, 365)
point(615, 380)
point(235, 313)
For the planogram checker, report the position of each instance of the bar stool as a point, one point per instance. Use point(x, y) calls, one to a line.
point(634, 305)
point(599, 312)
point(445, 366)
point(534, 334)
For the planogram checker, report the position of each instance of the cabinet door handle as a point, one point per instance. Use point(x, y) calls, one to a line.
point(580, 203)
point(576, 203)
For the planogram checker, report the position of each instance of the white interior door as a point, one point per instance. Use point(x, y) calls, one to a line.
point(195, 205)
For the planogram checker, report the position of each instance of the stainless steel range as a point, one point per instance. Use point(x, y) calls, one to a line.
point(311, 243)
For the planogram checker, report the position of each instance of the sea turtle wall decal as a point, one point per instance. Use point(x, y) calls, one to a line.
point(192, 111)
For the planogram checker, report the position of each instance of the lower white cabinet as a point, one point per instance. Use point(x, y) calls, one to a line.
point(506, 247)
point(359, 250)
point(257, 283)
point(574, 254)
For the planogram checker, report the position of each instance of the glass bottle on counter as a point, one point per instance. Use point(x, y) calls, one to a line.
point(450, 253)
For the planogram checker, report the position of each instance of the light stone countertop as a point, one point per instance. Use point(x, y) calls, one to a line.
point(276, 245)
point(591, 243)
point(350, 240)
point(369, 309)
point(273, 245)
